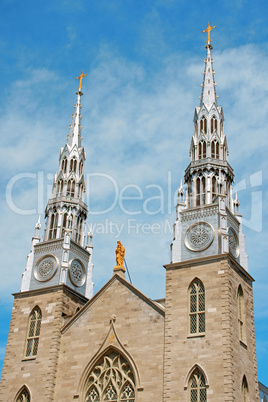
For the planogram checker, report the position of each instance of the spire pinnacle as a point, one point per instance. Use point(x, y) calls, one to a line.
point(208, 95)
point(37, 227)
point(208, 30)
point(74, 136)
point(181, 193)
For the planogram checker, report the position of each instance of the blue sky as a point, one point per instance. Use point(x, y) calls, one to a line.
point(144, 61)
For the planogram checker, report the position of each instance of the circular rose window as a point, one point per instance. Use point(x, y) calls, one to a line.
point(46, 268)
point(233, 243)
point(199, 236)
point(77, 273)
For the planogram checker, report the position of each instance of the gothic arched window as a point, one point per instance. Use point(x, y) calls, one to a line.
point(71, 188)
point(202, 150)
point(24, 395)
point(200, 191)
point(198, 199)
point(64, 165)
point(215, 149)
point(81, 168)
point(203, 191)
point(197, 322)
point(213, 124)
point(111, 380)
point(197, 387)
point(67, 222)
point(33, 334)
point(79, 229)
point(214, 188)
point(241, 313)
point(244, 390)
point(73, 165)
point(81, 189)
point(60, 187)
point(203, 124)
point(53, 226)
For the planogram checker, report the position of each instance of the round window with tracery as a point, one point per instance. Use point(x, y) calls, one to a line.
point(233, 243)
point(46, 268)
point(199, 236)
point(77, 273)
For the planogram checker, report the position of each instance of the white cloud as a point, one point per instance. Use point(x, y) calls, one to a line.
point(137, 128)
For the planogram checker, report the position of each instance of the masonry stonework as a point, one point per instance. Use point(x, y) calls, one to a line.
point(223, 358)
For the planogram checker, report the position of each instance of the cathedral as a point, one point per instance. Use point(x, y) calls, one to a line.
point(198, 344)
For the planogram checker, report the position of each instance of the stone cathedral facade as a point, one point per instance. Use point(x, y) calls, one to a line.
point(118, 345)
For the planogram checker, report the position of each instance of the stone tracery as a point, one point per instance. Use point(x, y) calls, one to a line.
point(111, 380)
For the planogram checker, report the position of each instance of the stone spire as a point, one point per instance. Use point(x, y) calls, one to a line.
point(209, 173)
point(69, 260)
point(208, 94)
point(74, 136)
point(66, 208)
point(209, 179)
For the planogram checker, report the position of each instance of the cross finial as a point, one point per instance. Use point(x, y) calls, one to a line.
point(208, 30)
point(80, 78)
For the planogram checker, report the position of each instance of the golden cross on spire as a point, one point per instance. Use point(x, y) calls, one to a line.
point(80, 78)
point(208, 30)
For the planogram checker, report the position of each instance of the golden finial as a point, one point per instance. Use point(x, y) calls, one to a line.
point(80, 78)
point(120, 256)
point(208, 30)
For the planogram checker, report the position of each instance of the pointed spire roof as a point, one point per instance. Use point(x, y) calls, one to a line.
point(208, 94)
point(74, 136)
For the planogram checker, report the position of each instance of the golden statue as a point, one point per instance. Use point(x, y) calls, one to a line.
point(80, 78)
point(208, 30)
point(120, 255)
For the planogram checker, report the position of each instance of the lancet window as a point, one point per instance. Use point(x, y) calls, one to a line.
point(53, 226)
point(197, 387)
point(200, 191)
point(81, 168)
point(81, 189)
point(79, 229)
point(67, 222)
point(213, 124)
point(73, 165)
point(202, 150)
point(203, 124)
point(214, 188)
point(33, 334)
point(111, 380)
point(197, 307)
point(64, 165)
point(60, 187)
point(244, 390)
point(241, 313)
point(215, 149)
point(24, 395)
point(71, 188)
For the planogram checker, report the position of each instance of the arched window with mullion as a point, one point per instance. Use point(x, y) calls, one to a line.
point(24, 395)
point(111, 380)
point(197, 319)
point(203, 124)
point(34, 328)
point(53, 226)
point(197, 387)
